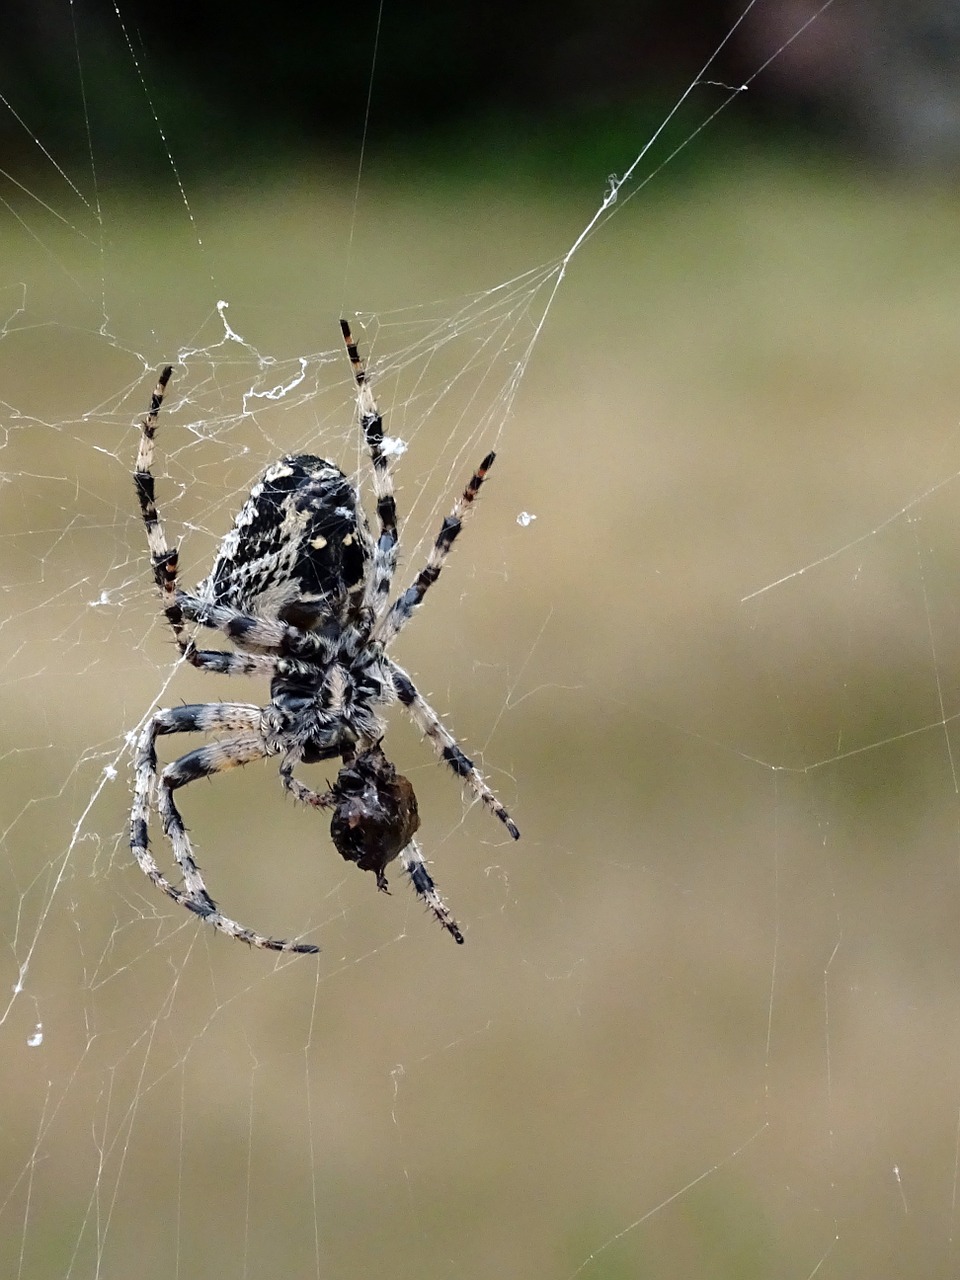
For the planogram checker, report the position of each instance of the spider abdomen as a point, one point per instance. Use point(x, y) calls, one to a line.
point(299, 546)
point(376, 816)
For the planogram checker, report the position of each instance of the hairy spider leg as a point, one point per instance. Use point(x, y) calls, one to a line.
point(224, 663)
point(259, 635)
point(163, 558)
point(299, 790)
point(379, 582)
point(403, 608)
point(422, 881)
point(446, 745)
point(246, 631)
point(247, 745)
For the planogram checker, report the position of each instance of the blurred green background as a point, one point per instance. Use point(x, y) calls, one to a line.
point(705, 1020)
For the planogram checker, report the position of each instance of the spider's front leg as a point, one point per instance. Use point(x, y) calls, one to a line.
point(247, 745)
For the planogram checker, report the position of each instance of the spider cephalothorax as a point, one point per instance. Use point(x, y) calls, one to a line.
point(302, 590)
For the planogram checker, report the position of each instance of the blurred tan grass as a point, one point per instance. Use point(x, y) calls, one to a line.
point(714, 927)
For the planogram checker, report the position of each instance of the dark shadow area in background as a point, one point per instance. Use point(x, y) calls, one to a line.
point(233, 84)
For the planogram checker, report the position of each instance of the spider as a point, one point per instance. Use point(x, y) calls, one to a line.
point(303, 591)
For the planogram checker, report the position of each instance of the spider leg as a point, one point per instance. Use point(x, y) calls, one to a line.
point(225, 663)
point(164, 559)
point(248, 745)
point(402, 609)
point(188, 719)
point(246, 631)
point(426, 890)
point(258, 635)
point(371, 421)
point(445, 744)
point(300, 791)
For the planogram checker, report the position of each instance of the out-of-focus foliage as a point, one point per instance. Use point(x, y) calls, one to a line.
point(882, 75)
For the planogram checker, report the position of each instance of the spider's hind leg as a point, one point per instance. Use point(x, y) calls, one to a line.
point(406, 604)
point(426, 890)
point(163, 558)
point(371, 421)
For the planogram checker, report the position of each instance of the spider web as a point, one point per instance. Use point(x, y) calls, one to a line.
point(700, 633)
